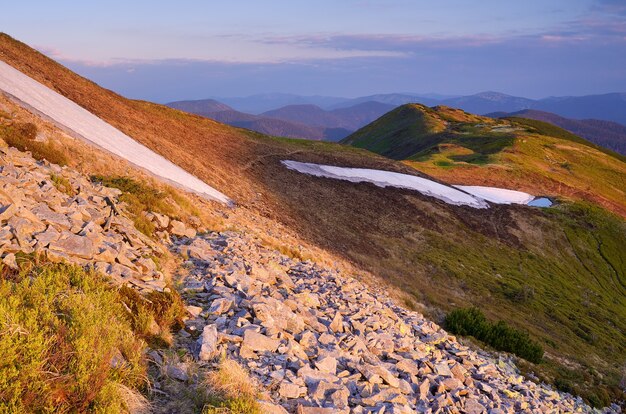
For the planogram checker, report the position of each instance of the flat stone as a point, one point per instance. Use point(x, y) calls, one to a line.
point(270, 408)
point(162, 221)
point(255, 342)
point(178, 372)
point(9, 260)
point(289, 390)
point(73, 245)
point(443, 369)
point(46, 215)
point(193, 310)
point(178, 228)
point(46, 237)
point(473, 407)
point(315, 410)
point(337, 323)
point(208, 343)
point(408, 366)
point(327, 364)
point(220, 306)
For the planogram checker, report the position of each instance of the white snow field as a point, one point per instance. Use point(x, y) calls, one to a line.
point(69, 115)
point(387, 178)
point(497, 195)
point(467, 195)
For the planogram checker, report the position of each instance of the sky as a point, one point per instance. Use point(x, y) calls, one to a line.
point(192, 49)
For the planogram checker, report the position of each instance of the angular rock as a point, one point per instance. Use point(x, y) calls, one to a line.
point(73, 245)
point(254, 342)
point(208, 343)
point(289, 390)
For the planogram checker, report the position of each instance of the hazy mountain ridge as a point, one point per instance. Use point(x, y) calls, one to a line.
point(609, 107)
point(294, 121)
point(350, 118)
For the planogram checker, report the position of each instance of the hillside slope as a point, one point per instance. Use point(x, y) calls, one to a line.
point(526, 155)
point(202, 106)
point(98, 336)
point(607, 134)
point(437, 255)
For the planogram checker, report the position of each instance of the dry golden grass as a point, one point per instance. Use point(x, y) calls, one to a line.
point(231, 387)
point(231, 381)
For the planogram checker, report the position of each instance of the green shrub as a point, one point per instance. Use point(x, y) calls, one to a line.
point(66, 343)
point(163, 309)
point(62, 184)
point(501, 336)
point(22, 136)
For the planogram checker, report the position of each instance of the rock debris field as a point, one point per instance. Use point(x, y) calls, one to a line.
point(321, 342)
point(316, 340)
point(83, 228)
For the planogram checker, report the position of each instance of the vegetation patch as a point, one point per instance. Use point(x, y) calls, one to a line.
point(140, 198)
point(231, 387)
point(62, 184)
point(545, 128)
point(22, 136)
point(501, 336)
point(154, 315)
point(66, 342)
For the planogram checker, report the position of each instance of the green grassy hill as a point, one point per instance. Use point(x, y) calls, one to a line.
point(516, 153)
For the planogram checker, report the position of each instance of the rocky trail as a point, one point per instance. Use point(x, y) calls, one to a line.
point(317, 341)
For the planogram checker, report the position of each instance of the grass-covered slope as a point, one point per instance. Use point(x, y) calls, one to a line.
point(516, 153)
point(559, 273)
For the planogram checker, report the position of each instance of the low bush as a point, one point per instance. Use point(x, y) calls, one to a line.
point(154, 315)
point(22, 136)
point(501, 336)
point(66, 342)
point(62, 184)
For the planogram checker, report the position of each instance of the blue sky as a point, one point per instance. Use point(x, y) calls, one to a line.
point(166, 50)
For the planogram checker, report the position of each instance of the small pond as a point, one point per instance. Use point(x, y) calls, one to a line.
point(541, 202)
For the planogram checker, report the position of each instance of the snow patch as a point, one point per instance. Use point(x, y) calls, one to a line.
point(497, 195)
point(93, 129)
point(392, 179)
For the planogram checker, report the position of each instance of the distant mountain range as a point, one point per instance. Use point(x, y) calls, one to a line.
point(332, 119)
point(296, 121)
point(607, 134)
point(607, 107)
point(257, 104)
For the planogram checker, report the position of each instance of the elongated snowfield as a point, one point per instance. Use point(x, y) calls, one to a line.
point(387, 178)
point(93, 129)
point(473, 196)
point(497, 195)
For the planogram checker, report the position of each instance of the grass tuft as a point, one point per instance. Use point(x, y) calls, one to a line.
point(62, 184)
point(22, 136)
point(139, 199)
point(230, 386)
point(153, 316)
